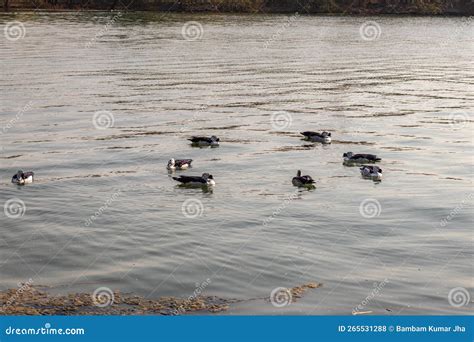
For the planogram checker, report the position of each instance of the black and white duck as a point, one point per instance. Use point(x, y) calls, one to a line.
point(22, 178)
point(179, 164)
point(324, 137)
point(212, 141)
point(300, 180)
point(371, 171)
point(350, 157)
point(205, 179)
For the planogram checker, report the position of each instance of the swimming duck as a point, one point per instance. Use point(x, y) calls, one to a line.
point(324, 137)
point(300, 180)
point(205, 141)
point(22, 178)
point(179, 164)
point(360, 158)
point(371, 171)
point(205, 179)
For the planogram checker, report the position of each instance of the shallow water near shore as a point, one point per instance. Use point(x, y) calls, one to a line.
point(104, 211)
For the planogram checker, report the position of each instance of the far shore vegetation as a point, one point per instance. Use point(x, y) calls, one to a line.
point(362, 7)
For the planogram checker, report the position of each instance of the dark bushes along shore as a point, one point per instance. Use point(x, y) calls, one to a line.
point(367, 7)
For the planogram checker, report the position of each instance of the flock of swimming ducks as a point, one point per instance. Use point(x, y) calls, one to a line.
point(367, 171)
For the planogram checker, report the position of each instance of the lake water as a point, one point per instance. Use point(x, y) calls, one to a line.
point(152, 80)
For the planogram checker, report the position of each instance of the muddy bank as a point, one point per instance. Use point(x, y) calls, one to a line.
point(37, 300)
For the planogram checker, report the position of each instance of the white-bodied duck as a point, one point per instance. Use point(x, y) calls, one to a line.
point(179, 164)
point(324, 137)
point(350, 157)
point(212, 141)
point(371, 171)
point(204, 180)
point(300, 180)
point(22, 178)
